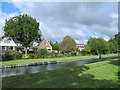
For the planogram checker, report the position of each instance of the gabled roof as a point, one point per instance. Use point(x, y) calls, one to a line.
point(11, 43)
point(39, 43)
point(1, 38)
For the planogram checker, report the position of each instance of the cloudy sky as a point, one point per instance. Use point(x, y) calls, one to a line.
point(79, 20)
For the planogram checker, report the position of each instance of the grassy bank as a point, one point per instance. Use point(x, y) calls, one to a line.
point(22, 61)
point(95, 75)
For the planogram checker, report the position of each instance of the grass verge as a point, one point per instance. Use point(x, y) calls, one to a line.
point(23, 61)
point(95, 75)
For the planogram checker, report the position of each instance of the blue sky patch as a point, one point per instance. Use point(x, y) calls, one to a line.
point(9, 8)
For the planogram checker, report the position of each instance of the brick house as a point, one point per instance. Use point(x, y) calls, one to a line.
point(7, 45)
point(43, 44)
point(80, 46)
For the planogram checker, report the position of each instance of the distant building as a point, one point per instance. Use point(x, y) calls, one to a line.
point(80, 46)
point(43, 44)
point(7, 45)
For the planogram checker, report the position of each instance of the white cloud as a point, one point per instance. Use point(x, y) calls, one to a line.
point(4, 16)
point(74, 19)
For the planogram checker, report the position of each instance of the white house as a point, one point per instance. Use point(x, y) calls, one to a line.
point(7, 44)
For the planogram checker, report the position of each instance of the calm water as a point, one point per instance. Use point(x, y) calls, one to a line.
point(34, 69)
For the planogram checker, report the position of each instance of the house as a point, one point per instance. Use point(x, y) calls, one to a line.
point(43, 44)
point(7, 45)
point(18, 44)
point(80, 46)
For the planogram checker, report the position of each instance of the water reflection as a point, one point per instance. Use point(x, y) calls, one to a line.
point(40, 68)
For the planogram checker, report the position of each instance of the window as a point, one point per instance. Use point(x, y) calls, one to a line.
point(45, 43)
point(11, 48)
point(3, 48)
point(7, 41)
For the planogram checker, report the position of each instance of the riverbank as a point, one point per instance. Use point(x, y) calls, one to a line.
point(95, 75)
point(54, 62)
point(27, 61)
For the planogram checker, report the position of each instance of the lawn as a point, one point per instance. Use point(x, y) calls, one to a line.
point(23, 61)
point(95, 75)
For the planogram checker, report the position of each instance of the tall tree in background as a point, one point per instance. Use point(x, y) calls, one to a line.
point(22, 28)
point(68, 44)
point(98, 45)
point(117, 38)
point(55, 46)
point(113, 45)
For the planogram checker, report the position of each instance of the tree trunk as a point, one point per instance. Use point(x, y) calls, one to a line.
point(25, 50)
point(99, 56)
point(99, 53)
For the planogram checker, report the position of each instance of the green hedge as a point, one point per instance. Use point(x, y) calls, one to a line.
point(11, 56)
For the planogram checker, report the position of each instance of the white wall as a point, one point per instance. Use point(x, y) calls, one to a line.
point(49, 48)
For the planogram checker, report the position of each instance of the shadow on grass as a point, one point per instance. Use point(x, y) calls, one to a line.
point(115, 62)
point(64, 78)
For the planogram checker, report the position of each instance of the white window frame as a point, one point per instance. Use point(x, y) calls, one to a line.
point(13, 48)
point(4, 48)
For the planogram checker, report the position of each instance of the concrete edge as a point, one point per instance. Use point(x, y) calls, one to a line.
point(51, 62)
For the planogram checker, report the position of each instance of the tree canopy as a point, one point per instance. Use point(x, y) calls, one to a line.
point(22, 28)
point(117, 38)
point(67, 44)
point(112, 45)
point(97, 45)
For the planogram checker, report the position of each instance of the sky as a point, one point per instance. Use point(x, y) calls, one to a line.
point(79, 20)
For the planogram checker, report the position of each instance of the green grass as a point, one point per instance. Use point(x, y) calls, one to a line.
point(95, 75)
point(23, 61)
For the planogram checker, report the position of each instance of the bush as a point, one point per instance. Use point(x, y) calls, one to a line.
point(25, 56)
point(60, 55)
point(42, 53)
point(16, 55)
point(7, 56)
point(31, 56)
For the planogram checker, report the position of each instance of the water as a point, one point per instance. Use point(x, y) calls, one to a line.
point(34, 69)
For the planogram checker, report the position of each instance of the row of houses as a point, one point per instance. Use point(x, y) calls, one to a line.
point(9, 45)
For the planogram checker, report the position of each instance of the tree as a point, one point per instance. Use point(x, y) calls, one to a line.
point(98, 45)
point(117, 38)
point(22, 28)
point(87, 49)
point(112, 45)
point(42, 52)
point(68, 44)
point(55, 46)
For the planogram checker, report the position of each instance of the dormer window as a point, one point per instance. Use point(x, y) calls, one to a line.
point(6, 41)
point(45, 43)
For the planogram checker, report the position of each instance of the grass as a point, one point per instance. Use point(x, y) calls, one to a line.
point(95, 75)
point(23, 61)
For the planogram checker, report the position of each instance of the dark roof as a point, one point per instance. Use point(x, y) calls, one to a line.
point(1, 38)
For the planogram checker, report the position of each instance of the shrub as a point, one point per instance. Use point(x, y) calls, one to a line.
point(36, 56)
point(31, 56)
point(42, 53)
point(25, 56)
point(7, 56)
point(16, 55)
point(60, 55)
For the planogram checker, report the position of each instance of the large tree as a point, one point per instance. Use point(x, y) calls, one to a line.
point(112, 45)
point(22, 28)
point(68, 44)
point(98, 45)
point(117, 38)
